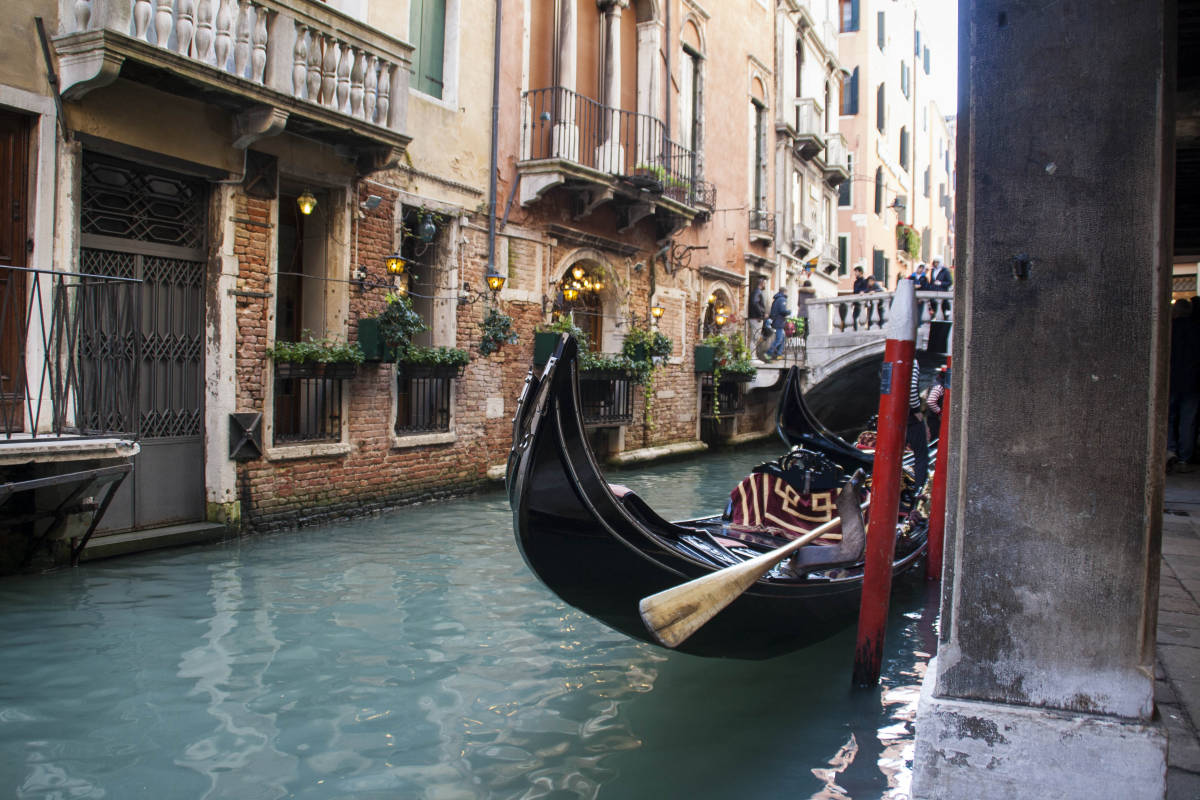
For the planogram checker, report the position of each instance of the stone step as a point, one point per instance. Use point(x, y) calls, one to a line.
point(119, 544)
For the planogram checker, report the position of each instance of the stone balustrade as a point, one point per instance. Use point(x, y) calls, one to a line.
point(853, 314)
point(300, 49)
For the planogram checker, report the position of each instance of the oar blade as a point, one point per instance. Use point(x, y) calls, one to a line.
point(674, 614)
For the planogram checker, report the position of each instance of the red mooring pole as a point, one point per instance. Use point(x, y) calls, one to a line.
point(937, 511)
point(894, 388)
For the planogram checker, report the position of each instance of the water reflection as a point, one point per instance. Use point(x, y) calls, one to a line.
point(414, 656)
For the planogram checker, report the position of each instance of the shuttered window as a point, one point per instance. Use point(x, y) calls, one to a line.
point(849, 9)
point(879, 265)
point(881, 108)
point(427, 29)
point(850, 94)
point(882, 33)
point(879, 190)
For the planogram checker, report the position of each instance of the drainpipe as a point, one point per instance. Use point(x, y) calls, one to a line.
point(495, 158)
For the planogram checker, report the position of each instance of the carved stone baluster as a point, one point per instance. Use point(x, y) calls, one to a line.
point(370, 88)
point(345, 59)
point(356, 83)
point(204, 31)
point(329, 73)
point(164, 19)
point(314, 68)
point(258, 59)
point(83, 14)
point(185, 26)
point(841, 310)
point(141, 20)
point(225, 17)
point(300, 62)
point(241, 48)
point(385, 91)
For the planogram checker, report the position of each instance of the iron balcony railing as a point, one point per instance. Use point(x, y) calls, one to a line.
point(762, 221)
point(557, 123)
point(606, 399)
point(69, 354)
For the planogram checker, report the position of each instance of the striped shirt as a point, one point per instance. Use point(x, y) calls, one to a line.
point(934, 400)
point(914, 395)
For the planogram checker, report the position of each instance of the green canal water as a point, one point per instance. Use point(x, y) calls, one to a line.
point(413, 655)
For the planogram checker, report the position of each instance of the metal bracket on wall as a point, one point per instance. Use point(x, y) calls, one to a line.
point(245, 436)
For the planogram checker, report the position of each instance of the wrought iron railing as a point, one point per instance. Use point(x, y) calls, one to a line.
point(307, 409)
point(558, 123)
point(762, 220)
point(720, 400)
point(423, 403)
point(69, 354)
point(607, 399)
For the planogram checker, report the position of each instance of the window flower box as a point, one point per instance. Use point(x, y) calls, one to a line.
point(327, 370)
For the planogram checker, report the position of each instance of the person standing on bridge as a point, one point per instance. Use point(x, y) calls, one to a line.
point(939, 277)
point(779, 314)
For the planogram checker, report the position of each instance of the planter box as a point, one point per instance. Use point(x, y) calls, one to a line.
point(371, 341)
point(737, 377)
point(333, 370)
point(429, 370)
point(705, 358)
point(604, 375)
point(543, 346)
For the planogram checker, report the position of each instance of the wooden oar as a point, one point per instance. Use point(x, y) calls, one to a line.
point(674, 614)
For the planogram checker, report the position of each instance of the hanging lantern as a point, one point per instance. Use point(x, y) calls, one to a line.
point(427, 229)
point(570, 293)
point(712, 298)
point(307, 202)
point(598, 285)
point(395, 264)
point(577, 272)
point(720, 319)
point(721, 311)
point(657, 312)
point(495, 281)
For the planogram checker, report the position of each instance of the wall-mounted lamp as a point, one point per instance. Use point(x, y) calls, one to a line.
point(307, 202)
point(720, 319)
point(657, 312)
point(712, 298)
point(426, 230)
point(495, 281)
point(395, 264)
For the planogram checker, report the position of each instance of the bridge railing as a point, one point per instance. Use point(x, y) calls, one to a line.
point(853, 314)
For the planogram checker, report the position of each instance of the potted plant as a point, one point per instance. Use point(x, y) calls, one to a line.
point(908, 240)
point(397, 324)
point(545, 338)
point(315, 358)
point(644, 344)
point(649, 177)
point(497, 330)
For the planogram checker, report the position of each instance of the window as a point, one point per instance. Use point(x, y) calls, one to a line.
point(826, 218)
point(927, 181)
point(926, 60)
point(879, 190)
point(881, 35)
point(904, 78)
point(849, 15)
point(850, 94)
point(881, 108)
point(845, 196)
point(797, 199)
point(904, 148)
point(760, 155)
point(879, 266)
point(843, 252)
point(799, 66)
point(689, 99)
point(427, 30)
point(916, 42)
point(423, 401)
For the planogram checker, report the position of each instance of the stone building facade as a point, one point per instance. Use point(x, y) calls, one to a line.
point(252, 167)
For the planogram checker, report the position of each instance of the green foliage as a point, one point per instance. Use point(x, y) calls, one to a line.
point(433, 356)
point(399, 323)
point(564, 324)
point(316, 351)
point(497, 330)
point(646, 344)
point(731, 358)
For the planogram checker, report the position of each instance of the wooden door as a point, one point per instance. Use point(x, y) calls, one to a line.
point(14, 239)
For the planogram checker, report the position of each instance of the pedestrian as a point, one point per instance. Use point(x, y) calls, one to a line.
point(807, 292)
point(1183, 386)
point(860, 283)
point(756, 312)
point(872, 285)
point(933, 403)
point(939, 277)
point(916, 436)
point(779, 315)
point(921, 278)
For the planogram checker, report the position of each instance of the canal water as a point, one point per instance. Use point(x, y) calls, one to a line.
point(413, 655)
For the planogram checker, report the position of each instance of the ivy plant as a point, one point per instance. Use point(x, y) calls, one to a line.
point(497, 331)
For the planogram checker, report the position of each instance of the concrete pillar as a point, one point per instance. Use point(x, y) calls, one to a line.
point(1043, 684)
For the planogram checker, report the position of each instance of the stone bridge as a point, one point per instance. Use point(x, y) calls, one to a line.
point(845, 348)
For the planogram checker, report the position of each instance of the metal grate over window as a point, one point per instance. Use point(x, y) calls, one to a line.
point(134, 201)
point(423, 404)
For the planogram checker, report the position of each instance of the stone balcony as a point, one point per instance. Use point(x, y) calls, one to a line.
point(295, 65)
point(809, 131)
point(604, 155)
point(835, 164)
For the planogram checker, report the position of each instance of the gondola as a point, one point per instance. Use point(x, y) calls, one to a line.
point(601, 549)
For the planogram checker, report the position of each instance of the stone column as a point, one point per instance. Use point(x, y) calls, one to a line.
point(1044, 679)
point(609, 158)
point(565, 135)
